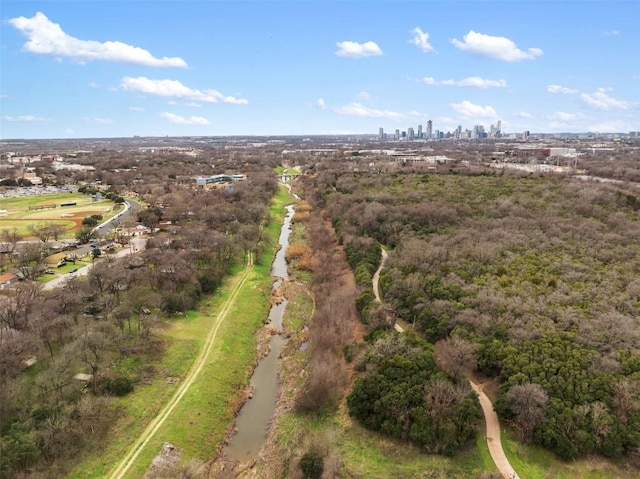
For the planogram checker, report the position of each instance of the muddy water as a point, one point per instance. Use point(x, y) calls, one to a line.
point(253, 420)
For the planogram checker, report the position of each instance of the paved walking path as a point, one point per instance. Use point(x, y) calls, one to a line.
point(493, 434)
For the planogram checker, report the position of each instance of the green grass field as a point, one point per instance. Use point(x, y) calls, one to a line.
point(26, 211)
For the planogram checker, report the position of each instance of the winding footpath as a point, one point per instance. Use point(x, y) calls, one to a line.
point(127, 461)
point(494, 442)
point(376, 285)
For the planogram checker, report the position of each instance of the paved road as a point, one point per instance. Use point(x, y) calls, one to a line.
point(131, 208)
point(136, 244)
point(127, 461)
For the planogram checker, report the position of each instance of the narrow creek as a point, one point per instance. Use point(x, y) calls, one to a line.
point(252, 423)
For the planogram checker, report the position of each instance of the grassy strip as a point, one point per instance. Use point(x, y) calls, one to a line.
point(200, 421)
point(366, 454)
point(535, 462)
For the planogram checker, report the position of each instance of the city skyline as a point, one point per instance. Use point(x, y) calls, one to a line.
point(478, 132)
point(114, 69)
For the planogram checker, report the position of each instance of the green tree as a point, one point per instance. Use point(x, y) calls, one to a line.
point(85, 234)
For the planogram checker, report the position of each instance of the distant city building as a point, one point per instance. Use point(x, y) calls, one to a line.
point(477, 133)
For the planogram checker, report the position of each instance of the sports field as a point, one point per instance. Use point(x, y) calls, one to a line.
point(66, 209)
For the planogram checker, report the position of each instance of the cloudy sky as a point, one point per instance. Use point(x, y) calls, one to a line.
point(123, 68)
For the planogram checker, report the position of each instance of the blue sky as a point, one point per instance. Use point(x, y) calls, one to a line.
point(123, 68)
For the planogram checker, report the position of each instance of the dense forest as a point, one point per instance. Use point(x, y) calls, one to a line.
point(532, 280)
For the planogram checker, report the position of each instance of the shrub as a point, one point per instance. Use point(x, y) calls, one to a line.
point(119, 386)
point(312, 465)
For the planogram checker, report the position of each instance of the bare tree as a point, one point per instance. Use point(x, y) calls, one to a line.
point(40, 231)
point(10, 237)
point(528, 402)
point(30, 261)
point(626, 398)
point(457, 355)
point(16, 308)
point(56, 230)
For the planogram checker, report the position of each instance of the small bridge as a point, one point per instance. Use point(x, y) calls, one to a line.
point(288, 176)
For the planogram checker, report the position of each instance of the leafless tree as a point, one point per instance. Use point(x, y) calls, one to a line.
point(10, 238)
point(457, 356)
point(40, 231)
point(528, 402)
point(30, 261)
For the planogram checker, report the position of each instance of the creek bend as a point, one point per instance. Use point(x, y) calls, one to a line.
point(253, 420)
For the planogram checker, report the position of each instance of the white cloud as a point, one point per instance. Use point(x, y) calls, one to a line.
point(563, 116)
point(28, 118)
point(46, 37)
point(69, 131)
point(173, 88)
point(363, 111)
point(613, 126)
point(500, 48)
point(136, 108)
point(99, 121)
point(358, 50)
point(194, 104)
point(92, 84)
point(364, 95)
point(474, 81)
point(421, 40)
point(612, 32)
point(181, 120)
point(360, 110)
point(468, 109)
point(561, 89)
point(3, 96)
point(524, 114)
point(600, 100)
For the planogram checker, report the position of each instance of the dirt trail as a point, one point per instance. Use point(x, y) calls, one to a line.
point(127, 461)
point(491, 418)
point(493, 434)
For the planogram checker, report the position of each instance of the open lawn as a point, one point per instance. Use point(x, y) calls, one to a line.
point(26, 211)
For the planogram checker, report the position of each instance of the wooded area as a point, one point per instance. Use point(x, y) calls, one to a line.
point(530, 279)
point(106, 325)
